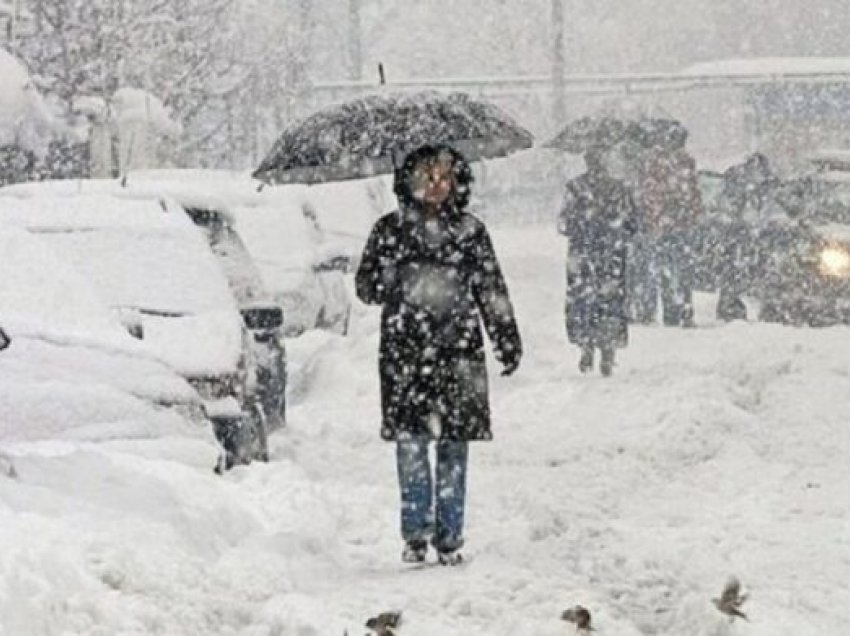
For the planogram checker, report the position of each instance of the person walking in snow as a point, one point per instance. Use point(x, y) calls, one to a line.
point(670, 204)
point(598, 217)
point(432, 268)
point(749, 189)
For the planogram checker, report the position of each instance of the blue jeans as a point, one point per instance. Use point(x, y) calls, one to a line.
point(421, 516)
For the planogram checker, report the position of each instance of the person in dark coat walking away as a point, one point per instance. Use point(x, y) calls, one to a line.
point(670, 205)
point(748, 194)
point(598, 217)
point(432, 268)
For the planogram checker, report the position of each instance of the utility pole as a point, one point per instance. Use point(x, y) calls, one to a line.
point(12, 21)
point(355, 49)
point(558, 61)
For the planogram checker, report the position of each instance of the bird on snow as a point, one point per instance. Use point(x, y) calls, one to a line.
point(385, 624)
point(7, 466)
point(731, 599)
point(580, 616)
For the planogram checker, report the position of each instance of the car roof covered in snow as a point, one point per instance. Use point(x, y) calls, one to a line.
point(143, 253)
point(185, 193)
point(143, 256)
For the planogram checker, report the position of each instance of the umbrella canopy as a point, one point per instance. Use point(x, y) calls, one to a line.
point(589, 133)
point(366, 137)
point(668, 134)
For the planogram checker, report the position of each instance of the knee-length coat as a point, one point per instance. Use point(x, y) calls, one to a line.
point(599, 218)
point(436, 282)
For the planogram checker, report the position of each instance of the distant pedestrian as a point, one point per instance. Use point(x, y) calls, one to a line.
point(669, 203)
point(598, 217)
point(747, 196)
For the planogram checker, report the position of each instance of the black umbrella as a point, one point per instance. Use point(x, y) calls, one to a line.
point(669, 134)
point(589, 133)
point(366, 137)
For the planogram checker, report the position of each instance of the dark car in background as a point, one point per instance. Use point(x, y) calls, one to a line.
point(791, 256)
point(805, 276)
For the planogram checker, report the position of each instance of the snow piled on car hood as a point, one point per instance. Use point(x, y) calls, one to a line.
point(71, 369)
point(202, 345)
point(59, 390)
point(41, 295)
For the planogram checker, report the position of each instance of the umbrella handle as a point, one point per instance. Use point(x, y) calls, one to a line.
point(397, 155)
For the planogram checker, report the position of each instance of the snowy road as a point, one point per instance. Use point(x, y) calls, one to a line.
point(715, 451)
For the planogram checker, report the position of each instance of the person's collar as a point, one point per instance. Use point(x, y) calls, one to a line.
point(415, 214)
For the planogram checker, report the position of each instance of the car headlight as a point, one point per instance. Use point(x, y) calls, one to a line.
point(835, 261)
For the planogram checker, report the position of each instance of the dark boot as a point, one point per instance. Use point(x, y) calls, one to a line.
point(688, 317)
point(671, 316)
point(415, 551)
point(449, 557)
point(606, 366)
point(585, 363)
point(730, 307)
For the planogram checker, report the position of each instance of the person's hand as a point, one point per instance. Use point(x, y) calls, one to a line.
point(509, 364)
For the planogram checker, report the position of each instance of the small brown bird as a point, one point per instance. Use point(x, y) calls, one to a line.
point(580, 616)
point(7, 466)
point(731, 599)
point(385, 624)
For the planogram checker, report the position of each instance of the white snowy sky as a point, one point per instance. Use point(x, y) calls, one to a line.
point(416, 38)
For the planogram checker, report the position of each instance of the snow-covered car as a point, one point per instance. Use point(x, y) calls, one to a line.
point(151, 266)
point(347, 210)
point(271, 234)
point(301, 239)
point(68, 369)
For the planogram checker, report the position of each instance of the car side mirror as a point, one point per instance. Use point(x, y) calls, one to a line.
point(262, 317)
point(5, 340)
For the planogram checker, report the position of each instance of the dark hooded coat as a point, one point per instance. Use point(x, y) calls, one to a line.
point(599, 218)
point(436, 282)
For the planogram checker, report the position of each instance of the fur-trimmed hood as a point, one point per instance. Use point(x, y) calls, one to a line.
point(408, 204)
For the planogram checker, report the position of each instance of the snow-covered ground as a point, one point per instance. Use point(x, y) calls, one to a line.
point(714, 451)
